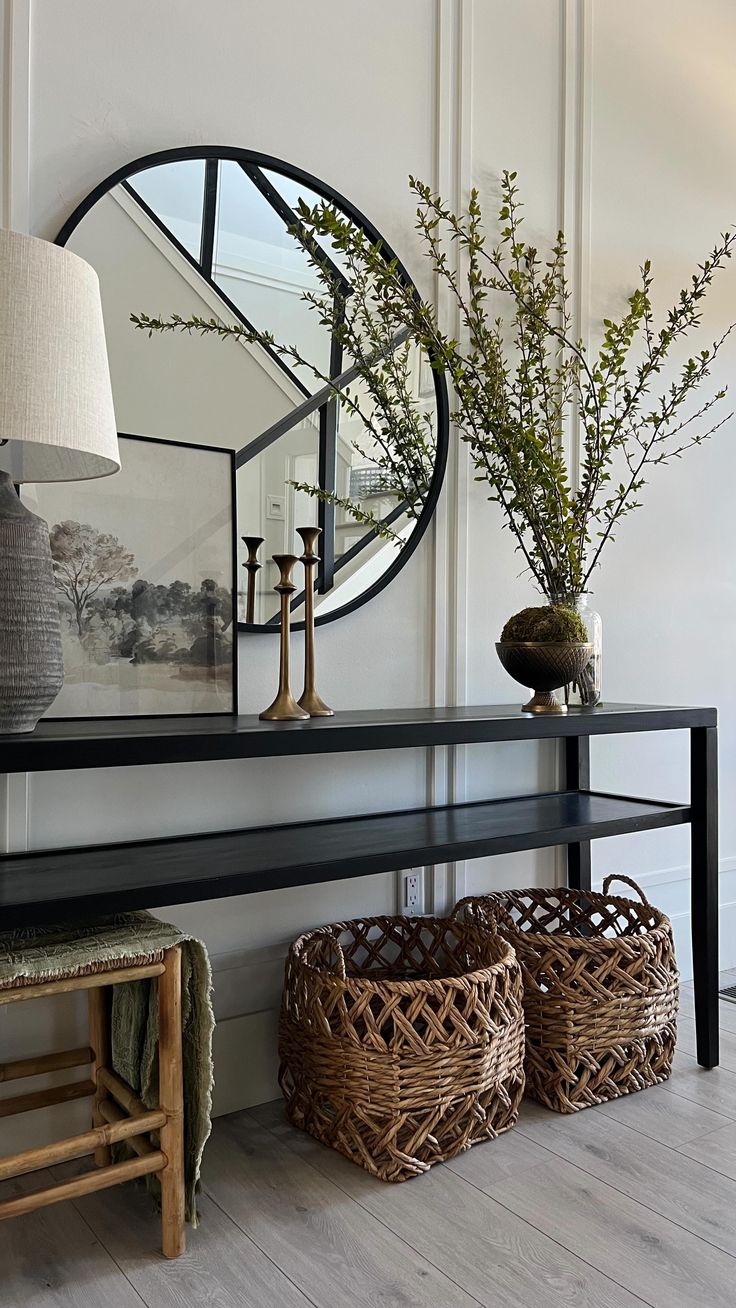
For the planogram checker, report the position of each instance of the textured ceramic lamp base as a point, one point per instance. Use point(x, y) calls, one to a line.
point(31, 664)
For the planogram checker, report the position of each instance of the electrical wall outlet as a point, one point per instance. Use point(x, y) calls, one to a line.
point(411, 896)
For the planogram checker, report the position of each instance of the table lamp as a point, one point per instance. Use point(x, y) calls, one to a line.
point(56, 424)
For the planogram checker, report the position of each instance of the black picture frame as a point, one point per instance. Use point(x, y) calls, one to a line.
point(254, 158)
point(229, 456)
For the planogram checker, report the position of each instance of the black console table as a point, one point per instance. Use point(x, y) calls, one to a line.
point(45, 886)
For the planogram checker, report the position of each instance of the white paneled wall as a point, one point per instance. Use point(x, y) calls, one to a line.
point(619, 119)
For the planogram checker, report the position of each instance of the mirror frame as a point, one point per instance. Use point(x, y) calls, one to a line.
point(334, 197)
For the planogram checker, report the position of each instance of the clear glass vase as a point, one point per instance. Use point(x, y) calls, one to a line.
point(586, 691)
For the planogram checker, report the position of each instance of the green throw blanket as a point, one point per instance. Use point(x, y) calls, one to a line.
point(32, 956)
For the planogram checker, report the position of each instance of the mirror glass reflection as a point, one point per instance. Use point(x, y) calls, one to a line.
point(219, 238)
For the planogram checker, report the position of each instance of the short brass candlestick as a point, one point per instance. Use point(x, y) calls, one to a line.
point(310, 700)
point(284, 707)
point(252, 567)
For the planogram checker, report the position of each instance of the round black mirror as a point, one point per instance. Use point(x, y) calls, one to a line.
point(215, 234)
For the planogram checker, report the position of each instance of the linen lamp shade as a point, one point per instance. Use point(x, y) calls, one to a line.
point(56, 411)
point(56, 424)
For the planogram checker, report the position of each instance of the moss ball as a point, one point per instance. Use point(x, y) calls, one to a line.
point(550, 624)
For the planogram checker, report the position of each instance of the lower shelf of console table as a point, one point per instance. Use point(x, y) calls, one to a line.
point(46, 886)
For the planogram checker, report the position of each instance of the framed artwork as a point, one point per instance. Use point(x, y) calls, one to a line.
point(144, 563)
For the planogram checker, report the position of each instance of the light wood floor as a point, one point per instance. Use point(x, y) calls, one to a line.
point(630, 1203)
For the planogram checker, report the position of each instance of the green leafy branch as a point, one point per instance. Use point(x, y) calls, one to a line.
point(520, 377)
point(519, 374)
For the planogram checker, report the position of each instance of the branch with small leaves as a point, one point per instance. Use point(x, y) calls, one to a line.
point(399, 440)
point(518, 373)
point(364, 517)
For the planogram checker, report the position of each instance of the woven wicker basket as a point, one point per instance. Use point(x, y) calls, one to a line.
point(401, 1040)
point(600, 989)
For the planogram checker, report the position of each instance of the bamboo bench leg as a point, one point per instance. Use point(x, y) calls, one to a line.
point(171, 1102)
point(99, 1038)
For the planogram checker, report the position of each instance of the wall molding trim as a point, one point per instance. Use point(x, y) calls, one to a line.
point(15, 122)
point(248, 980)
point(16, 114)
point(245, 1055)
point(449, 641)
point(575, 174)
point(672, 875)
point(15, 802)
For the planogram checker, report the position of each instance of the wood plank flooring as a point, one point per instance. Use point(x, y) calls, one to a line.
point(630, 1203)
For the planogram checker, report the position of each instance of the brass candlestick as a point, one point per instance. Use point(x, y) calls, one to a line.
point(252, 567)
point(310, 700)
point(284, 707)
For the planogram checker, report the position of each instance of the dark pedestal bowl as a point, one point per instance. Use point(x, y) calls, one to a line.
point(544, 667)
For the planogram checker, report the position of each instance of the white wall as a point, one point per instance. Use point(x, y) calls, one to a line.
point(620, 128)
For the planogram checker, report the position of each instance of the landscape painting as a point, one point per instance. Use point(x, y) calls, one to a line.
point(144, 569)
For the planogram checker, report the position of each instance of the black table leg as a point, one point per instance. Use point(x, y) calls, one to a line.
point(577, 777)
point(704, 888)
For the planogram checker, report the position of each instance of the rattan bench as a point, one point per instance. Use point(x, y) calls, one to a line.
point(118, 1113)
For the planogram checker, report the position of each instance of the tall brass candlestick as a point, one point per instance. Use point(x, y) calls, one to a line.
point(310, 700)
point(284, 707)
point(252, 567)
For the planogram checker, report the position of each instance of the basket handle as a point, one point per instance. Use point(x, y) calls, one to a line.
point(487, 903)
point(326, 950)
point(617, 876)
